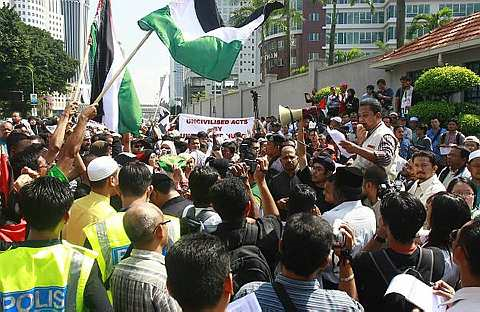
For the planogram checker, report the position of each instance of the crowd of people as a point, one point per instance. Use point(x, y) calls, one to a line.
point(283, 218)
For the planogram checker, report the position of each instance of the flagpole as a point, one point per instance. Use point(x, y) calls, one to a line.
point(120, 70)
point(76, 96)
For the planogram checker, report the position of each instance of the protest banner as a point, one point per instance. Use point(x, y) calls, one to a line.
point(192, 124)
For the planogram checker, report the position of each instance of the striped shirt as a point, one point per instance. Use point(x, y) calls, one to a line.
point(138, 284)
point(305, 295)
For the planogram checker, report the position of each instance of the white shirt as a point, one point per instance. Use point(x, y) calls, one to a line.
point(427, 188)
point(361, 219)
point(454, 174)
point(466, 299)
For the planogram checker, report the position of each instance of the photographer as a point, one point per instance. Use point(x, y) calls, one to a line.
point(375, 187)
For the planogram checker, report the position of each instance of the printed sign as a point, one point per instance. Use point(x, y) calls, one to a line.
point(192, 124)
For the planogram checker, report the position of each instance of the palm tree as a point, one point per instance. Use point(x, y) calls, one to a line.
point(400, 25)
point(428, 22)
point(333, 29)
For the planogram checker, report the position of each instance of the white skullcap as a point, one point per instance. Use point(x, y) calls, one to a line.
point(472, 138)
point(337, 119)
point(473, 155)
point(101, 168)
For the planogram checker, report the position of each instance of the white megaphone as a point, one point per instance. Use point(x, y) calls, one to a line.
point(288, 115)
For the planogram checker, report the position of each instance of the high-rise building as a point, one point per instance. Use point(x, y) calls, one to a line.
point(75, 14)
point(306, 41)
point(6, 3)
point(176, 83)
point(243, 72)
point(359, 27)
point(43, 14)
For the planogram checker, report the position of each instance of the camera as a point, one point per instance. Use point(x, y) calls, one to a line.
point(389, 187)
point(251, 164)
point(338, 236)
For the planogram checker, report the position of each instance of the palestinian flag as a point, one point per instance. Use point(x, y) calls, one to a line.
point(196, 37)
point(120, 108)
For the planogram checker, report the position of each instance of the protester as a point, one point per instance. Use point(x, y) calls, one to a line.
point(385, 96)
point(456, 165)
point(139, 281)
point(165, 196)
point(466, 189)
point(402, 215)
point(187, 263)
point(378, 147)
point(229, 199)
point(435, 133)
point(452, 136)
point(467, 257)
point(427, 183)
point(103, 177)
point(406, 96)
point(200, 181)
point(447, 213)
point(107, 236)
point(305, 251)
point(474, 168)
point(472, 143)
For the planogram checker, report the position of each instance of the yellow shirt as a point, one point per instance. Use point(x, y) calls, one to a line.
point(89, 209)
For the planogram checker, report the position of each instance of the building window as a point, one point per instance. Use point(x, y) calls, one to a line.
point(313, 55)
point(462, 9)
point(391, 35)
point(313, 37)
point(414, 9)
point(314, 16)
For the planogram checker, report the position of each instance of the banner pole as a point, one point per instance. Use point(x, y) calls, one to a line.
point(120, 70)
point(76, 95)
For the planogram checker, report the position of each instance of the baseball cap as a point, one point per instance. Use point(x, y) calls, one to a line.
point(472, 138)
point(101, 168)
point(473, 155)
point(413, 119)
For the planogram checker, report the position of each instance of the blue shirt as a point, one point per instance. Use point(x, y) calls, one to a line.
point(435, 137)
point(405, 149)
point(305, 295)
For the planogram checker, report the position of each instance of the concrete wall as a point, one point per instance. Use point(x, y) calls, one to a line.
point(290, 91)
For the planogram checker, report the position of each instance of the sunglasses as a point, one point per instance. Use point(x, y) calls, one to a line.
point(160, 224)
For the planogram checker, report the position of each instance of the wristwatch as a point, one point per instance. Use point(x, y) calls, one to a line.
point(379, 239)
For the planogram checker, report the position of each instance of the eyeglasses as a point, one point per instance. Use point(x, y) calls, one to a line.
point(160, 224)
point(465, 194)
point(453, 236)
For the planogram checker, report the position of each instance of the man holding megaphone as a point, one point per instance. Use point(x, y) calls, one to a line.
point(376, 143)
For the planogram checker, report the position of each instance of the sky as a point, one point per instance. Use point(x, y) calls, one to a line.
point(152, 60)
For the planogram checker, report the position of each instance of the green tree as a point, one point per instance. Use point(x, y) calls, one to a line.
point(333, 29)
point(25, 48)
point(400, 24)
point(346, 56)
point(429, 22)
point(382, 46)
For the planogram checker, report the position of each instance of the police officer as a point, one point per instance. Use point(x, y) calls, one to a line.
point(45, 273)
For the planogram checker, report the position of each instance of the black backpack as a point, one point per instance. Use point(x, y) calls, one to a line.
point(247, 262)
point(388, 270)
point(194, 223)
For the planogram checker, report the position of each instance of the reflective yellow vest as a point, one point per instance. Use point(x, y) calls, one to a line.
point(109, 240)
point(51, 278)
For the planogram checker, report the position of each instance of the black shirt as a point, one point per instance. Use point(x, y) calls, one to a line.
point(370, 284)
point(95, 296)
point(269, 234)
point(282, 185)
point(305, 176)
point(175, 206)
